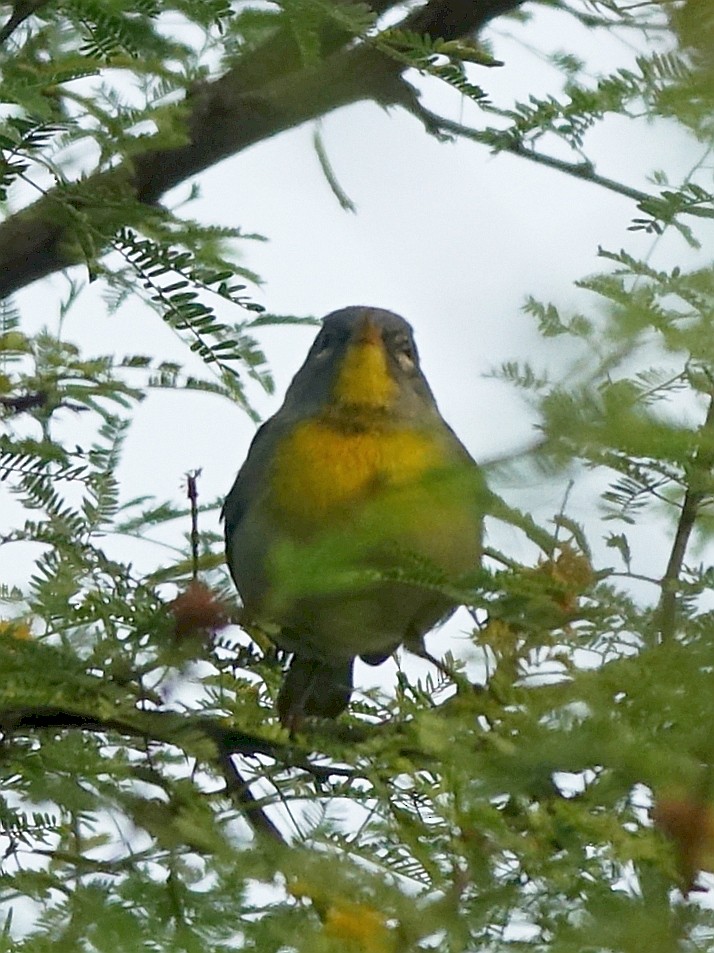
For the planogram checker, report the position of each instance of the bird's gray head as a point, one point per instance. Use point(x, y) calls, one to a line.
point(363, 361)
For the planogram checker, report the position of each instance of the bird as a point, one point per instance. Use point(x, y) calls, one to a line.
point(359, 475)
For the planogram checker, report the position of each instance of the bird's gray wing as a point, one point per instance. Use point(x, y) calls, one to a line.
point(251, 483)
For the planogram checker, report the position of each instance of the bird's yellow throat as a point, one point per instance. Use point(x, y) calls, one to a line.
point(363, 379)
point(347, 457)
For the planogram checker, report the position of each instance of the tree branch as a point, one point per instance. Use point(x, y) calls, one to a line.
point(267, 93)
point(580, 170)
point(168, 727)
point(697, 490)
point(239, 789)
point(164, 727)
point(20, 12)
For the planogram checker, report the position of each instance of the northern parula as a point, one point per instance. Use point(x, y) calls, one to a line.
point(359, 475)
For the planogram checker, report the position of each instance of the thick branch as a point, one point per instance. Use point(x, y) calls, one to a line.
point(20, 12)
point(167, 727)
point(158, 726)
point(262, 96)
point(239, 789)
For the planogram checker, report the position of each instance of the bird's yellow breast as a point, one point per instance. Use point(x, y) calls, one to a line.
point(322, 469)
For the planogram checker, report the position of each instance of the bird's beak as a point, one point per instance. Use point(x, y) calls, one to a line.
point(364, 380)
point(367, 331)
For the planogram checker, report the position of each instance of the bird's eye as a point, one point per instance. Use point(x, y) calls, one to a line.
point(323, 345)
point(404, 353)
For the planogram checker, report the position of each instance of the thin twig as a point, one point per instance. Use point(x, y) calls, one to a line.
point(239, 789)
point(579, 170)
point(699, 473)
point(563, 506)
point(192, 493)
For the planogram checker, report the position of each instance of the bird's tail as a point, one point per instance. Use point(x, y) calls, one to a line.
point(313, 687)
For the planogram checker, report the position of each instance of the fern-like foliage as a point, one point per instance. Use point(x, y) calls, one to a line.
point(175, 282)
point(54, 114)
point(625, 423)
point(443, 59)
point(21, 139)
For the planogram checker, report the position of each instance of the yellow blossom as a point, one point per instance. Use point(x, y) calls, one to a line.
point(359, 927)
point(15, 629)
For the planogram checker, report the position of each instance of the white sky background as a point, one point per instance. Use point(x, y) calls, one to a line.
point(447, 235)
